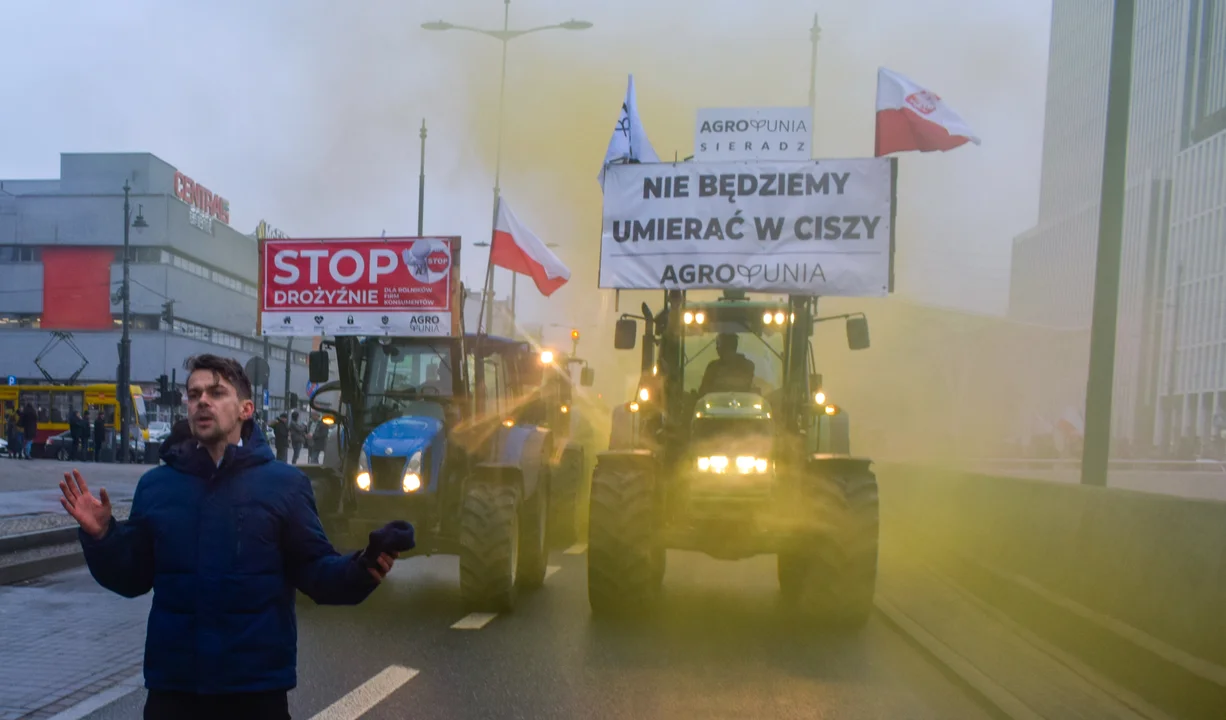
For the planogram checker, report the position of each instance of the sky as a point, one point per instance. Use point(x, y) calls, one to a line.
point(306, 113)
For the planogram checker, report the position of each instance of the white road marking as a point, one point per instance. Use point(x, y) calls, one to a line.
point(367, 695)
point(474, 621)
point(576, 549)
point(102, 699)
point(551, 569)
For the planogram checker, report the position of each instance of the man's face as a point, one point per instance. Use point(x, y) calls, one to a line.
point(214, 409)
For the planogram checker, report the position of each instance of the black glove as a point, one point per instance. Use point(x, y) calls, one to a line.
point(394, 537)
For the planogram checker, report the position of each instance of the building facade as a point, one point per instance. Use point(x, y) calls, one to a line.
point(61, 273)
point(1172, 215)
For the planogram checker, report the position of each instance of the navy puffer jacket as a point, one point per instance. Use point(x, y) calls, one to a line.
point(223, 549)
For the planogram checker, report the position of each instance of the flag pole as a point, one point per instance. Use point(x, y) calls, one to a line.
point(487, 288)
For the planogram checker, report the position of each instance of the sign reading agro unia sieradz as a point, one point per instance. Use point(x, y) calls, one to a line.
point(816, 227)
point(769, 133)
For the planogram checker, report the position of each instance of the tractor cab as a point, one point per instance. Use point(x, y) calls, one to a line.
point(415, 416)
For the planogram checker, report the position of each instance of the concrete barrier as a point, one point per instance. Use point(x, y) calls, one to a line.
point(1149, 567)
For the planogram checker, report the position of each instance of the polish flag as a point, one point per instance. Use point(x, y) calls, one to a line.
point(519, 250)
point(910, 117)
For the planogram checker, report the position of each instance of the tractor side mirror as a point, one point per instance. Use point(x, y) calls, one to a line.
point(318, 361)
point(626, 334)
point(857, 333)
point(815, 382)
point(587, 377)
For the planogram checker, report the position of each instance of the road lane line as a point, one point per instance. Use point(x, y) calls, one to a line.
point(106, 697)
point(551, 569)
point(576, 549)
point(1003, 700)
point(474, 621)
point(367, 695)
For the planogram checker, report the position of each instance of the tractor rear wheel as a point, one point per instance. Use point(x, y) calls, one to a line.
point(832, 579)
point(624, 557)
point(490, 547)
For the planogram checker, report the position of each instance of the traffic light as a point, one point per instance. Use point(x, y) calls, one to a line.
point(293, 400)
point(163, 385)
point(168, 312)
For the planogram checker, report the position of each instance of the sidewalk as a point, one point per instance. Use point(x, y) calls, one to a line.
point(65, 639)
point(1015, 670)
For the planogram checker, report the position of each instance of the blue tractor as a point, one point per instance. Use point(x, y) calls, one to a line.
point(452, 435)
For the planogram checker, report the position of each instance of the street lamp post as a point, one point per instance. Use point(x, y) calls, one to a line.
point(505, 35)
point(815, 34)
point(124, 391)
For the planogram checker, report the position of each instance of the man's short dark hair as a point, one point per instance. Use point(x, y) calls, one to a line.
point(228, 369)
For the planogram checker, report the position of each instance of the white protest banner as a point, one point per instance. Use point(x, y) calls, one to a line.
point(768, 133)
point(818, 227)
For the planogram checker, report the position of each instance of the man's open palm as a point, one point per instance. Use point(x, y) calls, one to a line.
point(92, 513)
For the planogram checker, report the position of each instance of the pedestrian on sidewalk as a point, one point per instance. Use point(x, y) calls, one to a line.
point(29, 424)
point(99, 435)
point(297, 436)
point(225, 533)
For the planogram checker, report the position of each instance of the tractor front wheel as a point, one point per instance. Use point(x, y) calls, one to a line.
point(831, 579)
point(625, 556)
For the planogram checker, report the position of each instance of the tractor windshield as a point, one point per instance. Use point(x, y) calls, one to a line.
point(758, 343)
point(405, 371)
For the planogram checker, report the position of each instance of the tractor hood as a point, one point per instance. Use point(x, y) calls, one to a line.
point(730, 405)
point(402, 436)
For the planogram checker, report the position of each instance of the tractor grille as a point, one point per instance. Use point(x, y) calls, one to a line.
point(387, 473)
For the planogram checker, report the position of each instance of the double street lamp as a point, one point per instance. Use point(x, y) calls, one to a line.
point(123, 391)
point(505, 35)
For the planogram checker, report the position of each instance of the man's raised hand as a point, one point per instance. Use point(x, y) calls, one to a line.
point(92, 513)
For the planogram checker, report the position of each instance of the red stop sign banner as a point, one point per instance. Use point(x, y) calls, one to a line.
point(359, 286)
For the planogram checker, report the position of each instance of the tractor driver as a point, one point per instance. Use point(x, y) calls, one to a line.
point(730, 372)
point(438, 380)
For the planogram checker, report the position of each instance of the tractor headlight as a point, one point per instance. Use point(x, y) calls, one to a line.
point(819, 397)
point(412, 474)
point(644, 394)
point(363, 478)
point(744, 464)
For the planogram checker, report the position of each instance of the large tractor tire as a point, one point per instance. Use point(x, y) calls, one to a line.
point(490, 547)
point(831, 579)
point(625, 557)
point(564, 514)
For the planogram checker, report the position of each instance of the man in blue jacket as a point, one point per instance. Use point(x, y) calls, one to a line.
point(223, 534)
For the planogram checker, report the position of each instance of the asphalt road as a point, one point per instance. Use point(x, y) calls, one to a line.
point(718, 648)
point(29, 487)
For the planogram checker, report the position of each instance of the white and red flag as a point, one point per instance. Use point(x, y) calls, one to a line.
point(519, 250)
point(911, 117)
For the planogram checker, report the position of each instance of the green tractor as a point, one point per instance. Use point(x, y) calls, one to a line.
point(561, 412)
point(730, 448)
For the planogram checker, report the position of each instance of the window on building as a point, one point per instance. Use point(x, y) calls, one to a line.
point(21, 254)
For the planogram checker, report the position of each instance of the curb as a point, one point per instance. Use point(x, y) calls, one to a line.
point(984, 690)
point(37, 539)
point(29, 569)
